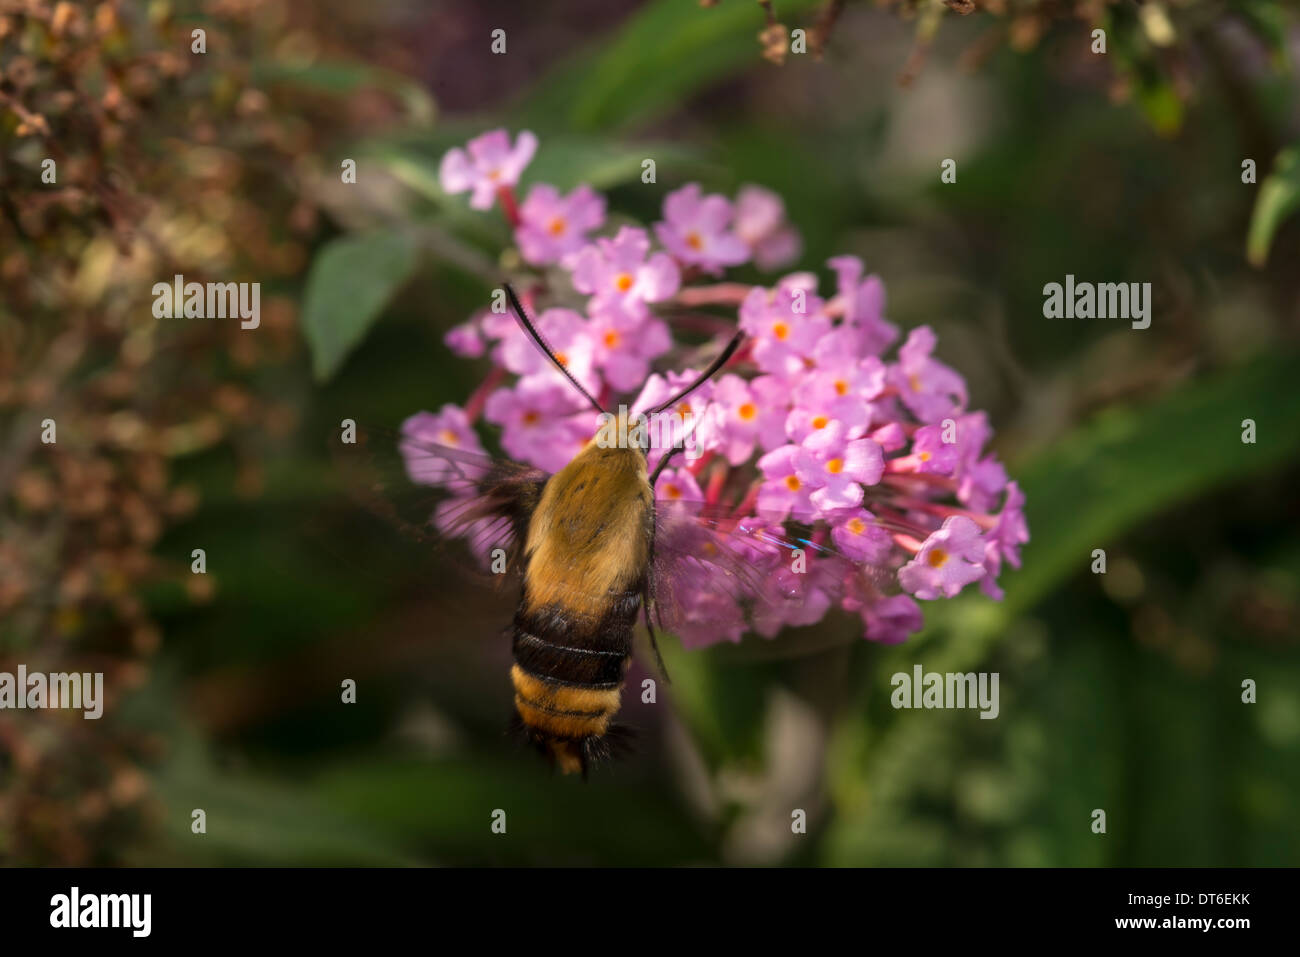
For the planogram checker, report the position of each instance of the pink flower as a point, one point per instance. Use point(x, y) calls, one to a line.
point(552, 227)
point(734, 428)
point(697, 230)
point(857, 534)
point(1010, 531)
point(465, 340)
point(783, 491)
point(786, 323)
point(890, 437)
point(949, 559)
point(706, 616)
point(492, 164)
point(812, 395)
point(931, 390)
point(930, 453)
point(839, 388)
point(772, 396)
point(761, 225)
point(538, 423)
point(864, 306)
point(449, 428)
point(891, 620)
point(569, 338)
point(678, 485)
point(619, 277)
point(837, 467)
point(624, 351)
point(794, 598)
point(1003, 541)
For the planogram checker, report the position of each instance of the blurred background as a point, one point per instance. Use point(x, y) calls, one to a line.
point(1120, 691)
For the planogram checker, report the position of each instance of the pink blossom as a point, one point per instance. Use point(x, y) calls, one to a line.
point(931, 390)
point(762, 226)
point(795, 431)
point(553, 227)
point(465, 340)
point(619, 277)
point(491, 165)
point(623, 351)
point(772, 396)
point(1009, 532)
point(837, 467)
point(537, 422)
point(859, 536)
point(891, 620)
point(424, 432)
point(794, 598)
point(678, 485)
point(864, 306)
point(734, 428)
point(783, 491)
point(696, 229)
point(567, 334)
point(949, 559)
point(786, 324)
point(930, 453)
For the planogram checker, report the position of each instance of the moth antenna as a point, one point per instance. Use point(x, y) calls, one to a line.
point(542, 344)
point(706, 375)
point(664, 459)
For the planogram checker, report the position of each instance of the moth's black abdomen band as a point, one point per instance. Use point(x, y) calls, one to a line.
point(582, 667)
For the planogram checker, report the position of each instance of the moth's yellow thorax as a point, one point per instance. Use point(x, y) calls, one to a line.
point(589, 536)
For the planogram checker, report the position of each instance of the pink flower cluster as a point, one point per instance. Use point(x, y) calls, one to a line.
point(844, 476)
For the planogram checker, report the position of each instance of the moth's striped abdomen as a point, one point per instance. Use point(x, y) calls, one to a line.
point(568, 674)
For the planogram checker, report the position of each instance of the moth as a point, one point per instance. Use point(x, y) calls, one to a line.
point(597, 552)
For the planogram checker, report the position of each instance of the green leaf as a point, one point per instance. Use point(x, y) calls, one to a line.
point(566, 161)
point(339, 78)
point(1279, 197)
point(664, 53)
point(352, 279)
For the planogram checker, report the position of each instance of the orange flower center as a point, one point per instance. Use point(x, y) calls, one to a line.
point(781, 330)
point(747, 411)
point(693, 240)
point(672, 491)
point(923, 456)
point(937, 558)
point(448, 437)
point(857, 526)
point(792, 482)
point(557, 226)
point(835, 466)
point(914, 382)
point(561, 358)
point(820, 422)
point(611, 339)
point(532, 417)
point(841, 387)
point(623, 282)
